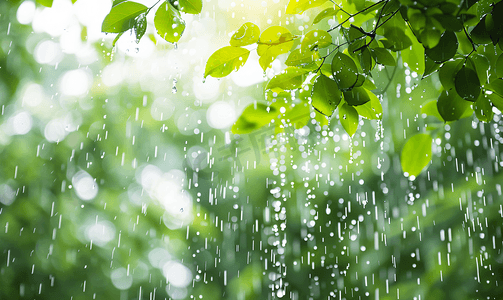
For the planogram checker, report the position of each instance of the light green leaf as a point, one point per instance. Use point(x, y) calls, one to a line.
point(225, 60)
point(291, 78)
point(168, 23)
point(344, 70)
point(357, 96)
point(371, 110)
point(348, 116)
point(431, 109)
point(46, 3)
point(316, 38)
point(254, 117)
point(247, 34)
point(326, 95)
point(329, 12)
point(122, 17)
point(274, 41)
point(299, 6)
point(300, 56)
point(299, 115)
point(396, 39)
point(467, 84)
point(140, 27)
point(496, 100)
point(191, 6)
point(414, 55)
point(416, 154)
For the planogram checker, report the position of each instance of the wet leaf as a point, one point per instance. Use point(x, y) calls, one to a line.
point(371, 110)
point(395, 39)
point(291, 78)
point(344, 71)
point(483, 109)
point(480, 34)
point(274, 41)
point(451, 106)
point(46, 3)
point(247, 34)
point(191, 6)
point(316, 39)
point(326, 13)
point(467, 84)
point(445, 49)
point(430, 67)
point(367, 62)
point(300, 56)
point(254, 117)
point(383, 57)
point(348, 116)
point(357, 96)
point(449, 22)
point(499, 66)
point(225, 60)
point(448, 71)
point(168, 23)
point(325, 95)
point(430, 37)
point(430, 109)
point(140, 27)
point(299, 6)
point(416, 154)
point(496, 86)
point(122, 17)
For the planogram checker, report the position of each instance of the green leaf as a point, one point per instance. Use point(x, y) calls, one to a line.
point(447, 73)
point(225, 60)
point(445, 49)
point(117, 2)
point(316, 38)
point(449, 22)
point(300, 56)
point(191, 6)
point(499, 66)
point(395, 39)
point(344, 71)
point(481, 65)
point(299, 115)
point(480, 34)
point(122, 17)
point(247, 34)
point(348, 116)
point(496, 100)
point(451, 106)
point(329, 12)
point(430, 37)
point(357, 96)
point(326, 95)
point(273, 41)
point(431, 109)
point(299, 6)
point(414, 55)
point(367, 62)
point(429, 67)
point(383, 57)
point(46, 3)
point(483, 109)
point(371, 110)
point(254, 117)
point(140, 27)
point(496, 86)
point(416, 154)
point(291, 78)
point(467, 84)
point(168, 23)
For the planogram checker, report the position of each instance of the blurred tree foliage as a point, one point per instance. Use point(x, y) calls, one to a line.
point(288, 205)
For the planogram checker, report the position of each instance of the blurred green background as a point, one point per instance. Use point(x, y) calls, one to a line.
point(120, 179)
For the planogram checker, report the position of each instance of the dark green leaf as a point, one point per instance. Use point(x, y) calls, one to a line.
point(448, 71)
point(356, 96)
point(451, 107)
point(479, 34)
point(496, 100)
point(383, 57)
point(122, 17)
point(416, 154)
point(371, 110)
point(191, 6)
point(445, 49)
point(367, 62)
point(348, 116)
point(496, 86)
point(449, 22)
point(431, 109)
point(430, 37)
point(326, 95)
point(140, 27)
point(247, 34)
point(344, 71)
point(483, 109)
point(225, 60)
point(499, 66)
point(396, 39)
point(467, 84)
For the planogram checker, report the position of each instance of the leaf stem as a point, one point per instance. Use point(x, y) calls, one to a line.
point(355, 14)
